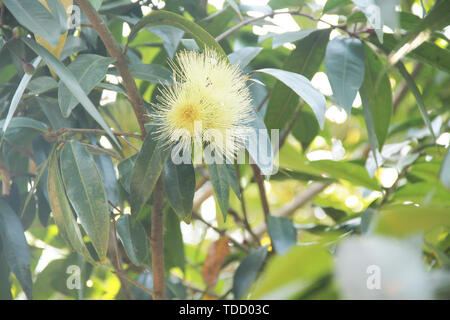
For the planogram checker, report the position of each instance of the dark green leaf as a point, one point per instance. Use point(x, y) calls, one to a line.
point(15, 247)
point(134, 239)
point(147, 169)
point(376, 96)
point(282, 233)
point(179, 186)
point(247, 271)
point(344, 63)
point(62, 211)
point(86, 193)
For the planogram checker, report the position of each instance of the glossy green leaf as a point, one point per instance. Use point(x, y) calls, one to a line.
point(147, 169)
point(344, 62)
point(179, 186)
point(72, 84)
point(220, 179)
point(376, 96)
point(62, 211)
point(89, 70)
point(5, 288)
point(302, 87)
point(125, 168)
point(305, 60)
point(134, 239)
point(247, 271)
point(282, 233)
point(15, 247)
point(85, 190)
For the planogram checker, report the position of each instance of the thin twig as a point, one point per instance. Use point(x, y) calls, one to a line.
point(262, 190)
point(244, 208)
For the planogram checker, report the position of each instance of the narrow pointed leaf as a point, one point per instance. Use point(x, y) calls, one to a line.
point(86, 193)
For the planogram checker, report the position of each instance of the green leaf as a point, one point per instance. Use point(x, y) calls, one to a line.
point(107, 172)
point(89, 70)
point(242, 57)
point(247, 271)
point(179, 186)
point(18, 95)
point(402, 220)
point(282, 233)
point(161, 17)
point(72, 84)
point(282, 38)
point(15, 247)
point(305, 59)
point(134, 239)
point(173, 241)
point(376, 96)
point(222, 178)
point(147, 169)
point(41, 85)
point(259, 146)
point(305, 128)
point(416, 92)
point(302, 87)
point(86, 193)
point(23, 122)
point(333, 4)
point(151, 72)
point(125, 168)
point(344, 62)
point(445, 170)
point(287, 276)
point(36, 18)
point(62, 211)
point(5, 288)
point(170, 36)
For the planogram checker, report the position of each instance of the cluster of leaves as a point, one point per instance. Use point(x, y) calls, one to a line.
point(74, 163)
